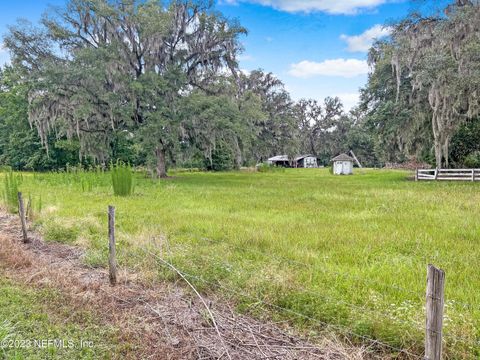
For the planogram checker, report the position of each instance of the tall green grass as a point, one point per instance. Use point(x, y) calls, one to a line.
point(11, 184)
point(265, 168)
point(122, 179)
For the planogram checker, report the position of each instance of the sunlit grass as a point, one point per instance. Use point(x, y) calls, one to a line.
point(350, 251)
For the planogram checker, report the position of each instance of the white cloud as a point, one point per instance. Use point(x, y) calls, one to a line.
point(349, 100)
point(245, 57)
point(4, 55)
point(363, 42)
point(346, 68)
point(327, 6)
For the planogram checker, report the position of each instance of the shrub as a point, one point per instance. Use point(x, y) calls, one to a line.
point(122, 179)
point(12, 183)
point(222, 158)
point(264, 167)
point(473, 160)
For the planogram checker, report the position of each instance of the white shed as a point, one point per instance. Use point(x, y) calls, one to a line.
point(306, 161)
point(343, 165)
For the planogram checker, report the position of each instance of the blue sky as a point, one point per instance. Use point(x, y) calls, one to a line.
point(316, 47)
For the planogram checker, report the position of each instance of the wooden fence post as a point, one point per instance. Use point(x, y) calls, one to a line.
point(112, 261)
point(21, 213)
point(434, 308)
point(416, 174)
point(436, 174)
point(473, 174)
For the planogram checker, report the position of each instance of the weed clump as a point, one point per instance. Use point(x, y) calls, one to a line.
point(122, 179)
point(264, 168)
point(61, 233)
point(12, 183)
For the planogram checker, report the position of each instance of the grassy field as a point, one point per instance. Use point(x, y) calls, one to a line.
point(349, 251)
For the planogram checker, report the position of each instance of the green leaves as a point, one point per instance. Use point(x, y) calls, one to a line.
point(434, 85)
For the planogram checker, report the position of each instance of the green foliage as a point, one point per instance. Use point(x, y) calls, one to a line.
point(222, 158)
point(472, 160)
point(265, 168)
point(466, 144)
point(122, 179)
point(136, 100)
point(11, 184)
point(403, 106)
point(249, 118)
point(20, 145)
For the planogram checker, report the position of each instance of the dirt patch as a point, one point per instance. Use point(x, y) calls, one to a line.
point(161, 320)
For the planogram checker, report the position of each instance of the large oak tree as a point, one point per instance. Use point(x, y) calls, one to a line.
point(99, 67)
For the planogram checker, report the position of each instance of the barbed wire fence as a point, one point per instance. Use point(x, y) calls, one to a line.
point(373, 343)
point(434, 302)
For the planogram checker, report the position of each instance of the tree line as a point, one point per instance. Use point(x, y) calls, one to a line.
point(153, 85)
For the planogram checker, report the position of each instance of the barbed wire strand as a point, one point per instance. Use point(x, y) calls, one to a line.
point(293, 312)
point(330, 299)
point(420, 295)
point(359, 307)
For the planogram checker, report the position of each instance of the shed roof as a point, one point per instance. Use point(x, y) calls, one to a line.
point(342, 157)
point(303, 157)
point(285, 157)
point(279, 158)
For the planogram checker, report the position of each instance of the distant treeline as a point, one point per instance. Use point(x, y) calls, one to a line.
point(101, 81)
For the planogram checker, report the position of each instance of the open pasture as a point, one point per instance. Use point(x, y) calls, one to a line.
point(348, 253)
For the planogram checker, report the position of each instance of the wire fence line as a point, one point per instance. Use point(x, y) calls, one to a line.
point(449, 337)
point(343, 329)
point(336, 301)
point(357, 307)
point(417, 294)
point(327, 325)
point(322, 269)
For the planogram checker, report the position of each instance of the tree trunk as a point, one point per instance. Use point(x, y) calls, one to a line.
point(238, 155)
point(437, 142)
point(445, 152)
point(438, 154)
point(312, 145)
point(161, 163)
